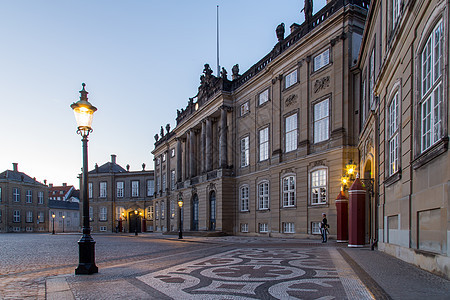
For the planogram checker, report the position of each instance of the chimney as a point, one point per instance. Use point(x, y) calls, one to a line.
point(45, 181)
point(64, 184)
point(113, 158)
point(15, 169)
point(50, 185)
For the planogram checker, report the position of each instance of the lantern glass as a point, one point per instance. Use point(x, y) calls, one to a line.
point(180, 203)
point(350, 168)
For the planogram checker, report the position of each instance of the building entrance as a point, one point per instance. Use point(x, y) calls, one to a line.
point(135, 222)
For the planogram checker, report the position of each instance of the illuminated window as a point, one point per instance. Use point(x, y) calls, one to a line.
point(319, 186)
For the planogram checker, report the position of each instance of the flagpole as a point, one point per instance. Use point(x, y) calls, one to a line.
point(218, 66)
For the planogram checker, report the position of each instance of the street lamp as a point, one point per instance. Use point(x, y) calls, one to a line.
point(63, 222)
point(136, 222)
point(53, 223)
point(84, 112)
point(180, 232)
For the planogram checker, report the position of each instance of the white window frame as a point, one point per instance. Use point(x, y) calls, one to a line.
point(29, 196)
point(263, 227)
point(322, 121)
point(393, 134)
point(135, 188)
point(315, 228)
point(432, 88)
point(90, 190)
point(103, 189)
point(163, 210)
point(172, 152)
point(288, 227)
point(172, 209)
point(245, 151)
point(290, 79)
point(29, 217)
point(164, 182)
point(157, 211)
point(120, 189)
point(244, 227)
point(319, 188)
point(264, 144)
point(291, 126)
point(245, 108)
point(16, 195)
point(103, 213)
point(321, 60)
point(40, 197)
point(263, 97)
point(263, 195)
point(16, 216)
point(172, 180)
point(150, 213)
point(244, 192)
point(288, 184)
point(103, 228)
point(150, 187)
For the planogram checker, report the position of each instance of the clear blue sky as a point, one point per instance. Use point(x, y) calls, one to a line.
point(140, 60)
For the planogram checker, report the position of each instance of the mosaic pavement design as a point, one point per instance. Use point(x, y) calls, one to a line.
point(307, 273)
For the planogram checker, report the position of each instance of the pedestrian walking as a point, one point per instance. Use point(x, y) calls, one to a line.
point(324, 228)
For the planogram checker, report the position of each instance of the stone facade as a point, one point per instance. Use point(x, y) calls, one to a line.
point(119, 199)
point(23, 203)
point(403, 141)
point(263, 154)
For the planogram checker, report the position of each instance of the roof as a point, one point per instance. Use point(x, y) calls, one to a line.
point(18, 176)
point(108, 167)
point(63, 205)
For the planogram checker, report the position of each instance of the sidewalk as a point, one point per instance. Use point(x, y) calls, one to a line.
point(385, 277)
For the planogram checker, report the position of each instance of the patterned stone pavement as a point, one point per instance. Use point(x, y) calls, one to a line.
point(262, 273)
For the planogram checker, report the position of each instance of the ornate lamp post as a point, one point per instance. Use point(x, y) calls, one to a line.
point(84, 112)
point(53, 223)
point(180, 232)
point(63, 222)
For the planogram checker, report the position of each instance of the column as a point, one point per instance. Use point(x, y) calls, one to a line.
point(208, 144)
point(186, 158)
point(202, 148)
point(223, 137)
point(191, 153)
point(357, 214)
point(179, 160)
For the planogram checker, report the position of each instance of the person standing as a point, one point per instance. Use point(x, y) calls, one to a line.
point(324, 228)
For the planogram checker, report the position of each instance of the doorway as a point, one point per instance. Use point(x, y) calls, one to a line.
point(135, 222)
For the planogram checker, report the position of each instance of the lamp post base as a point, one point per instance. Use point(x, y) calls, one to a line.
point(86, 265)
point(180, 235)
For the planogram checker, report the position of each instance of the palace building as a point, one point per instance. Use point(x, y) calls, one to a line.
point(263, 153)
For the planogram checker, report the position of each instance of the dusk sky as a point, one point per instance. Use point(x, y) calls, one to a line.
point(140, 60)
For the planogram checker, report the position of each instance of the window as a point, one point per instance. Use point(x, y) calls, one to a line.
point(291, 133)
point(157, 210)
point(263, 227)
point(157, 161)
point(29, 218)
point(319, 186)
point(163, 210)
point(164, 182)
point(245, 151)
point(363, 101)
point(90, 189)
point(322, 60)
point(244, 198)
point(290, 79)
point(245, 108)
point(16, 216)
point(29, 196)
point(16, 194)
point(135, 188)
point(91, 213)
point(172, 209)
point(150, 187)
point(150, 211)
point(315, 228)
point(119, 186)
point(263, 97)
point(41, 217)
point(395, 12)
point(60, 214)
point(103, 189)
point(371, 78)
point(244, 227)
point(102, 228)
point(393, 135)
point(264, 144)
point(0, 194)
point(0, 215)
point(321, 121)
point(103, 213)
point(172, 180)
point(164, 157)
point(40, 197)
point(288, 191)
point(172, 152)
point(288, 227)
point(158, 184)
point(431, 100)
point(263, 195)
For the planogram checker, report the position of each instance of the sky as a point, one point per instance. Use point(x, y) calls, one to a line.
point(141, 60)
